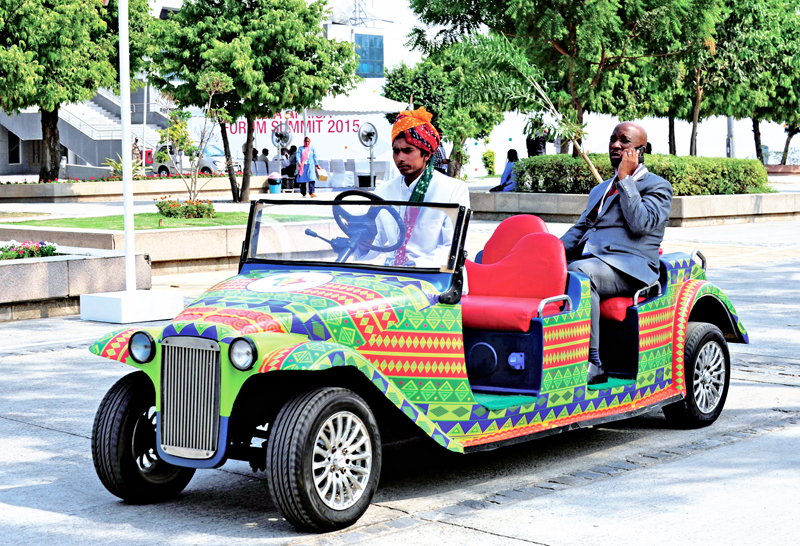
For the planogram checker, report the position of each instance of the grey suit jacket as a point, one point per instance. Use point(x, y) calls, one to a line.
point(628, 231)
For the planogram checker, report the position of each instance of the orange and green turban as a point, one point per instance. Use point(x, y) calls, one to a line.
point(415, 126)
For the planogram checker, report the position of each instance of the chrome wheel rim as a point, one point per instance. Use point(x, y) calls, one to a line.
point(342, 460)
point(709, 377)
point(144, 441)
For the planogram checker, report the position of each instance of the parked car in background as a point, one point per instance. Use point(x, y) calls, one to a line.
point(212, 162)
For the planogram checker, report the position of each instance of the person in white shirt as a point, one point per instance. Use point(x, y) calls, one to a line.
point(428, 231)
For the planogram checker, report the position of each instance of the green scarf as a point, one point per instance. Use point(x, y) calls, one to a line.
point(418, 195)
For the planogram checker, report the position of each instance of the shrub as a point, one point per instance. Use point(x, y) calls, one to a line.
point(186, 209)
point(688, 175)
point(488, 161)
point(14, 250)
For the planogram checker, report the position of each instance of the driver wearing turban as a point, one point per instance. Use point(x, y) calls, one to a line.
point(429, 232)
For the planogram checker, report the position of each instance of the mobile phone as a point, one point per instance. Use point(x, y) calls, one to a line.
point(641, 149)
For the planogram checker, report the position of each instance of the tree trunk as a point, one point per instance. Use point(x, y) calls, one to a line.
point(757, 136)
point(577, 143)
point(456, 159)
point(229, 162)
point(673, 149)
point(791, 131)
point(51, 146)
point(248, 159)
point(696, 114)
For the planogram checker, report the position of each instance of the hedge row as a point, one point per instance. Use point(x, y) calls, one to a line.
point(688, 175)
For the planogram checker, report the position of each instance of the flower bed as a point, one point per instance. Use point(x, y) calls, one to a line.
point(115, 178)
point(173, 208)
point(12, 250)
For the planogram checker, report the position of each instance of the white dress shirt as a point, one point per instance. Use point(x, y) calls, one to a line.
point(432, 235)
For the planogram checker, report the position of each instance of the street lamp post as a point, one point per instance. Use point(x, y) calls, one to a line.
point(127, 178)
point(130, 305)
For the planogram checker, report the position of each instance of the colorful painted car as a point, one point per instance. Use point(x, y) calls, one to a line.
point(348, 323)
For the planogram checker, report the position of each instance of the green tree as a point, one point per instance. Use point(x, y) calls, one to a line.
point(432, 84)
point(578, 46)
point(274, 52)
point(55, 52)
point(757, 72)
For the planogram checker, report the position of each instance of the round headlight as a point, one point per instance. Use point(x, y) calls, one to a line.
point(242, 353)
point(142, 347)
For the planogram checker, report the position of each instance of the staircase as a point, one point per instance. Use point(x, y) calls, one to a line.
point(100, 124)
point(93, 132)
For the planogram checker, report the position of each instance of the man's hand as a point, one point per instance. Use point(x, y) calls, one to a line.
point(630, 160)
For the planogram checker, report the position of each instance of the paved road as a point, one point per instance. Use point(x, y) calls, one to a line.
point(633, 482)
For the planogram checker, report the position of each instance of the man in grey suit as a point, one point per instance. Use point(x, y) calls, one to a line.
point(615, 242)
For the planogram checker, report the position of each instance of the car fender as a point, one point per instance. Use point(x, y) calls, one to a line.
point(699, 299)
point(323, 355)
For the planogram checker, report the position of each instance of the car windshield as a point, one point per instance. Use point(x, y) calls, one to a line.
point(212, 151)
point(375, 233)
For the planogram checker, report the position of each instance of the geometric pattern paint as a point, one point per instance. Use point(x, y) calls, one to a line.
point(393, 330)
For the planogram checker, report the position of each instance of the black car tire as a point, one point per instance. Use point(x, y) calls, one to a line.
point(163, 171)
point(291, 455)
point(124, 445)
point(689, 413)
point(206, 170)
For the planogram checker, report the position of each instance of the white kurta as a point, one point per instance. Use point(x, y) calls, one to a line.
point(432, 236)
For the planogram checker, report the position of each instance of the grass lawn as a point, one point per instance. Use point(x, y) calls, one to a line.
point(150, 220)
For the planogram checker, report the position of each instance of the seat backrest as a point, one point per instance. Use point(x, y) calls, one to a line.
point(274, 166)
point(535, 268)
point(508, 233)
point(324, 164)
point(337, 165)
point(350, 165)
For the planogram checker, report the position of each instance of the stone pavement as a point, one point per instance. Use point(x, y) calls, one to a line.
point(631, 482)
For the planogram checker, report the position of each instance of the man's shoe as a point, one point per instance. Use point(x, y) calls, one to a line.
point(595, 375)
point(313, 195)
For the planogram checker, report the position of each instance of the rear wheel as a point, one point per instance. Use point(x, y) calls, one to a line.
point(163, 171)
point(324, 459)
point(708, 369)
point(124, 445)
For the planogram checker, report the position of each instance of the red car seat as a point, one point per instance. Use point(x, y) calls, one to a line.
point(505, 295)
point(508, 234)
point(616, 308)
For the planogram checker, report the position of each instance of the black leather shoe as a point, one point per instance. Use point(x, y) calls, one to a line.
point(595, 375)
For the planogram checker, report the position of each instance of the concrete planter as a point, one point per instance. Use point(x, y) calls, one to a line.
point(702, 210)
point(43, 287)
point(112, 191)
point(783, 169)
point(179, 250)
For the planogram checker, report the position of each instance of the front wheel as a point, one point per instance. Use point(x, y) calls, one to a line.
point(708, 369)
point(163, 171)
point(124, 445)
point(324, 459)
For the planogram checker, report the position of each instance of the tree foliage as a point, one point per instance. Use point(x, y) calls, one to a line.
point(58, 52)
point(273, 51)
point(579, 47)
point(433, 84)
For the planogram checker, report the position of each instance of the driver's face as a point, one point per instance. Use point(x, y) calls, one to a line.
point(409, 159)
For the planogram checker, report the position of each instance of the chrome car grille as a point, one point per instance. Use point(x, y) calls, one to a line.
point(190, 377)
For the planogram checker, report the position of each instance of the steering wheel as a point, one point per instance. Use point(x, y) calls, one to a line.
point(362, 229)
